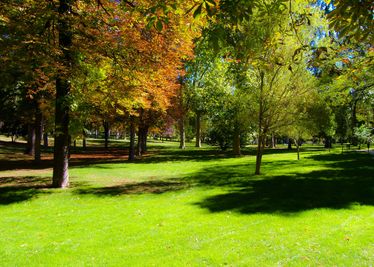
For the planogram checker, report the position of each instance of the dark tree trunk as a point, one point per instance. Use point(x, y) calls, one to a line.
point(45, 140)
point(144, 139)
point(38, 134)
point(260, 150)
point(354, 114)
point(84, 144)
point(198, 130)
point(289, 144)
point(61, 147)
point(139, 144)
point(297, 143)
point(236, 143)
point(30, 139)
point(106, 134)
point(132, 140)
point(182, 133)
point(328, 142)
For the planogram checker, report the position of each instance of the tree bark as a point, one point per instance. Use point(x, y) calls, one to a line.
point(236, 143)
point(61, 147)
point(260, 150)
point(144, 139)
point(261, 132)
point(84, 142)
point(38, 134)
point(106, 134)
point(328, 142)
point(140, 140)
point(182, 134)
point(45, 140)
point(297, 148)
point(132, 140)
point(273, 141)
point(30, 139)
point(198, 130)
point(289, 144)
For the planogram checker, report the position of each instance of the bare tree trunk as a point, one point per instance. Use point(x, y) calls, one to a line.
point(236, 143)
point(30, 139)
point(289, 144)
point(182, 134)
point(38, 134)
point(139, 144)
point(45, 140)
point(260, 150)
point(132, 140)
point(297, 148)
point(144, 139)
point(106, 134)
point(198, 129)
point(84, 141)
point(261, 132)
point(61, 147)
point(273, 141)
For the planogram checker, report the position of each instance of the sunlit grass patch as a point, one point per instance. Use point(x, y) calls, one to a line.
point(193, 208)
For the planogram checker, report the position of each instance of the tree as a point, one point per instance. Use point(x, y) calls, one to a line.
point(364, 135)
point(353, 19)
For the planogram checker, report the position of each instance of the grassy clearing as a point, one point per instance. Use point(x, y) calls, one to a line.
point(190, 208)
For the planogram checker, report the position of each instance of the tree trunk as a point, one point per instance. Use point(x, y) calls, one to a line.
point(106, 134)
point(45, 140)
point(132, 140)
point(30, 139)
point(261, 132)
point(273, 141)
point(328, 142)
point(84, 142)
point(236, 143)
point(61, 147)
point(289, 144)
point(144, 139)
point(297, 148)
point(38, 134)
point(198, 130)
point(182, 134)
point(140, 140)
point(260, 150)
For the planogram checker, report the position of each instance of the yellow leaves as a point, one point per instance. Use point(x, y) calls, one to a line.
point(4, 19)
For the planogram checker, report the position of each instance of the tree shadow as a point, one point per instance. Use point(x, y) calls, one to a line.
point(15, 189)
point(147, 187)
point(97, 155)
point(347, 180)
point(285, 194)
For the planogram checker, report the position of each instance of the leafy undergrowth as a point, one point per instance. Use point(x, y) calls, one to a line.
point(191, 208)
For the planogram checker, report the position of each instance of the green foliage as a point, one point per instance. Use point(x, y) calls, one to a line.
point(353, 19)
point(364, 134)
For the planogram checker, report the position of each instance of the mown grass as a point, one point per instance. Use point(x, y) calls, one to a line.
point(191, 208)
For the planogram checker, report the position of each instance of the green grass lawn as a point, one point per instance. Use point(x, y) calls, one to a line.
point(190, 208)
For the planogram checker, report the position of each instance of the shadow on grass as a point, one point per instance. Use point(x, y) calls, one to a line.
point(349, 180)
point(97, 155)
point(17, 189)
point(148, 187)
